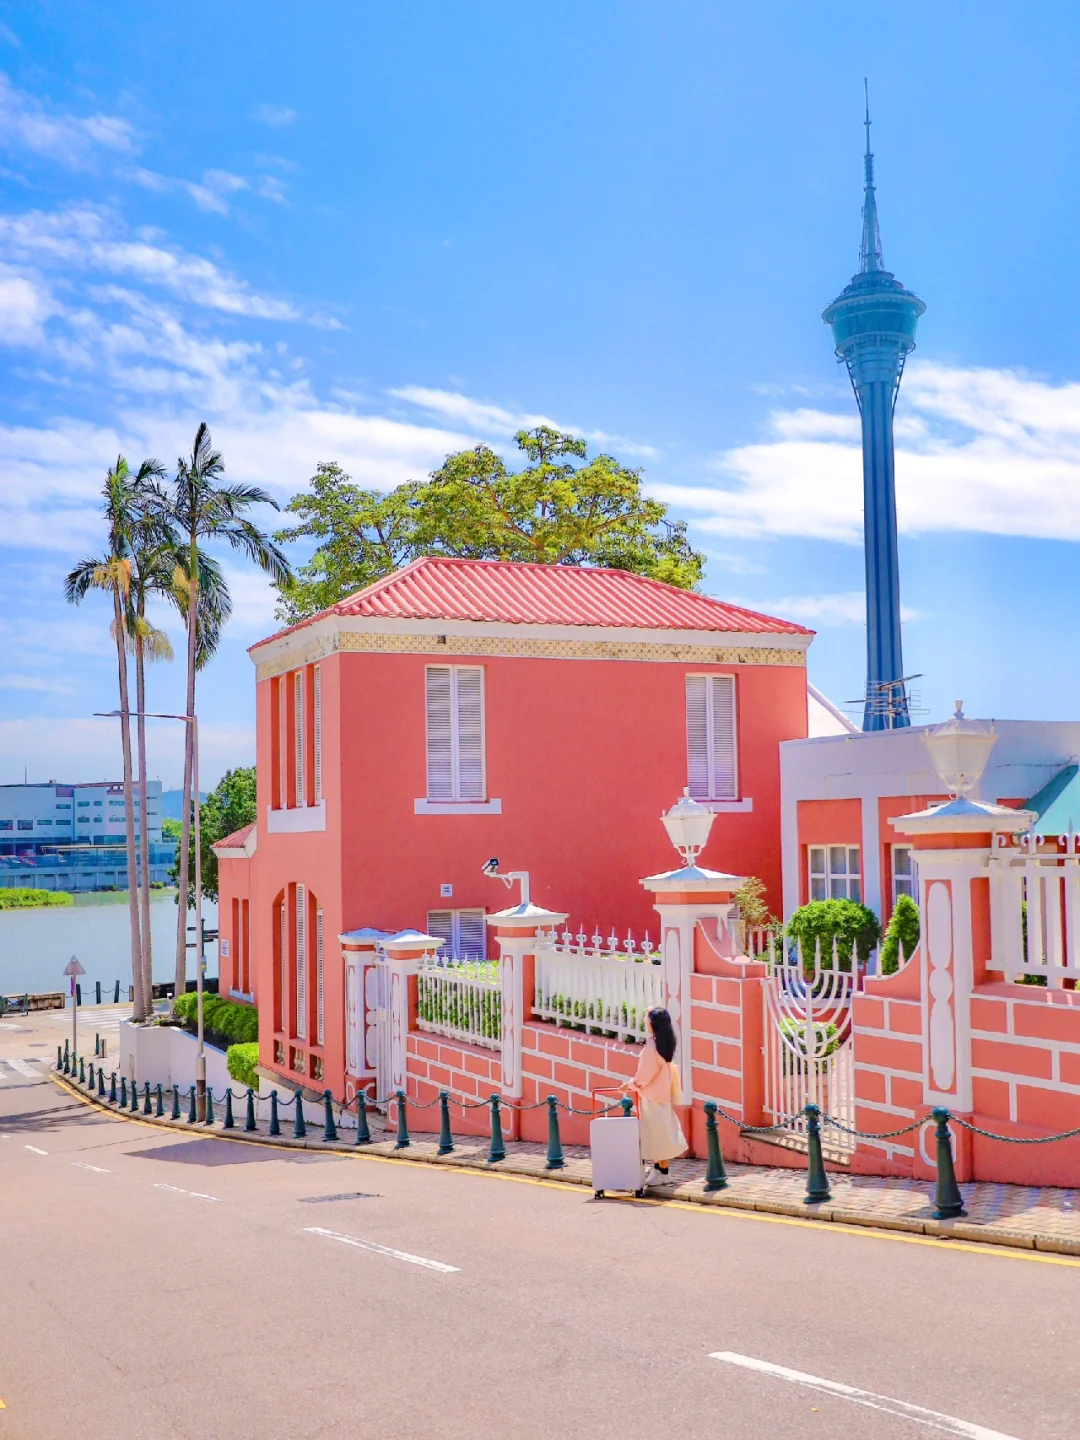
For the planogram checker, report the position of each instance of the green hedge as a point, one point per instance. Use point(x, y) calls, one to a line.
point(19, 897)
point(241, 1060)
point(232, 1023)
point(845, 921)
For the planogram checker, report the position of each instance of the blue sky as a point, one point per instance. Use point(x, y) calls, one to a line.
point(375, 234)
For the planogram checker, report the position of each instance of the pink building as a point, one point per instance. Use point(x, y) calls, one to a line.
point(463, 710)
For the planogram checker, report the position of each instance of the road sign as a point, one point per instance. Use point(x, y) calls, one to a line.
point(73, 967)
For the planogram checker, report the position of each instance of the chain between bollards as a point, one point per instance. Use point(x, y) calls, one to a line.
point(817, 1182)
point(715, 1174)
point(948, 1201)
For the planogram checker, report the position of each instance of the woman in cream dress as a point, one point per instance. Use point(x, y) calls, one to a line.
point(656, 1085)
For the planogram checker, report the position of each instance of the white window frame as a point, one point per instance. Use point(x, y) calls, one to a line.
point(911, 879)
point(298, 728)
point(446, 925)
point(320, 979)
point(708, 688)
point(300, 1027)
point(837, 875)
point(283, 741)
point(316, 728)
point(456, 788)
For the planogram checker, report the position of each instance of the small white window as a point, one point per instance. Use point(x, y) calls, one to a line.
point(301, 963)
point(454, 704)
point(835, 872)
point(464, 931)
point(711, 764)
point(283, 743)
point(298, 719)
point(316, 729)
point(903, 872)
point(320, 992)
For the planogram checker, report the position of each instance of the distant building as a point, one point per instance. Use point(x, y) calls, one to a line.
point(72, 837)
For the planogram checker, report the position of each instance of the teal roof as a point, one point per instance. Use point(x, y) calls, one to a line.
point(1057, 804)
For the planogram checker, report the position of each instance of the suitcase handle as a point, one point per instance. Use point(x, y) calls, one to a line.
point(611, 1090)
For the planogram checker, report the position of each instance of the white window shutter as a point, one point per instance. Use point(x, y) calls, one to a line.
point(470, 942)
point(316, 727)
point(320, 988)
point(440, 740)
point(283, 743)
point(697, 736)
point(298, 715)
point(284, 929)
point(470, 732)
point(301, 963)
point(440, 923)
point(725, 781)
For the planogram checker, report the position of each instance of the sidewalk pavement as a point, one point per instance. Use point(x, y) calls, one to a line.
point(1028, 1217)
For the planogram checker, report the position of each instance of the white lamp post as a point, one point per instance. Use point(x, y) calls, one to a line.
point(200, 1054)
point(960, 750)
point(688, 824)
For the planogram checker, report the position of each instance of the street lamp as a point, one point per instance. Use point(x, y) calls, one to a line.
point(193, 721)
point(688, 824)
point(960, 749)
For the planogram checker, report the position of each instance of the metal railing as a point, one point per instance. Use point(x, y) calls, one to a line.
point(461, 999)
point(1035, 911)
point(606, 987)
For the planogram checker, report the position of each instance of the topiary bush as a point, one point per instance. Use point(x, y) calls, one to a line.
point(225, 1022)
point(902, 932)
point(241, 1060)
point(845, 921)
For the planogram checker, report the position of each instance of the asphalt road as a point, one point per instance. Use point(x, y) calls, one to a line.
point(160, 1286)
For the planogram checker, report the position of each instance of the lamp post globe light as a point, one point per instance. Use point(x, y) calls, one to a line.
point(200, 1053)
point(688, 825)
point(960, 750)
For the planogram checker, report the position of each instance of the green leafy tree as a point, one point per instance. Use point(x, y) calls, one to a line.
point(845, 921)
point(561, 508)
point(902, 931)
point(228, 807)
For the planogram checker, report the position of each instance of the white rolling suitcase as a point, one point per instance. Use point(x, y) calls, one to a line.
point(615, 1141)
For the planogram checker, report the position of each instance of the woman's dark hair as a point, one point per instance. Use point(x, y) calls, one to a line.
point(663, 1032)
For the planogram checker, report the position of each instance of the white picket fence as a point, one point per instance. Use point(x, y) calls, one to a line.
point(461, 999)
point(1035, 911)
point(604, 987)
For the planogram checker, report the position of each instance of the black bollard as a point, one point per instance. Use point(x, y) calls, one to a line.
point(299, 1123)
point(175, 1103)
point(498, 1149)
point(555, 1159)
point(160, 1109)
point(249, 1118)
point(209, 1105)
point(715, 1174)
point(116, 993)
point(97, 992)
point(402, 1142)
point(101, 1082)
point(228, 1123)
point(123, 1092)
point(112, 1087)
point(817, 1182)
point(90, 1076)
point(59, 1058)
point(363, 1134)
point(329, 1128)
point(82, 1070)
point(78, 993)
point(275, 1125)
point(446, 1140)
point(948, 1201)
point(134, 1096)
point(147, 1108)
point(191, 1114)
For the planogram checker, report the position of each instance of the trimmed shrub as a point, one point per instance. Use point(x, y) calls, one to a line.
point(845, 921)
point(241, 1060)
point(903, 932)
point(21, 897)
point(225, 1022)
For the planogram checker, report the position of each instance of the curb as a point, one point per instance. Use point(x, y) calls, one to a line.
point(385, 1149)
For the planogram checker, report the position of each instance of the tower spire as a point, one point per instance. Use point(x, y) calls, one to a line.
point(870, 256)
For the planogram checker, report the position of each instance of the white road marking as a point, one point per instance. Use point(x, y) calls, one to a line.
point(35, 1149)
point(384, 1250)
point(7, 1025)
point(82, 1165)
point(24, 1068)
point(932, 1418)
point(195, 1194)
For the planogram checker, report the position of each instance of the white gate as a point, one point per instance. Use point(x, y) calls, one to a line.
point(809, 1058)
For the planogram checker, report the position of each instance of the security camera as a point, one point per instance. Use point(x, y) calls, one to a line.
point(490, 867)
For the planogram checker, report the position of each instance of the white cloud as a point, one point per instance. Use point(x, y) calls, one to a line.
point(497, 420)
point(35, 682)
point(73, 140)
point(25, 305)
point(87, 749)
point(844, 607)
point(978, 450)
point(275, 115)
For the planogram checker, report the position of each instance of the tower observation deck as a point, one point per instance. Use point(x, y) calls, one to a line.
point(873, 322)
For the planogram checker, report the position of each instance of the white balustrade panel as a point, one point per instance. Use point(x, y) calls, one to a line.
point(1035, 912)
point(603, 991)
point(463, 1001)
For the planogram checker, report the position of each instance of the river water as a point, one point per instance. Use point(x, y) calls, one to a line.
point(35, 945)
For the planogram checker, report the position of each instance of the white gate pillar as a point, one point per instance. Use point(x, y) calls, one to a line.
point(359, 954)
point(400, 957)
point(518, 932)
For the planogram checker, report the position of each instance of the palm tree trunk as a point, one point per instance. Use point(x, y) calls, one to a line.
point(141, 1011)
point(144, 837)
point(185, 833)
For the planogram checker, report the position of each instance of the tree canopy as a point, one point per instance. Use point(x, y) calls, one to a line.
point(560, 508)
point(228, 807)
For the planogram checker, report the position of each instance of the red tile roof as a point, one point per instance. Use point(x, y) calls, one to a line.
point(515, 593)
point(235, 841)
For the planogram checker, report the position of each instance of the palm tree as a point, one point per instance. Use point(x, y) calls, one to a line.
point(204, 509)
point(112, 573)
